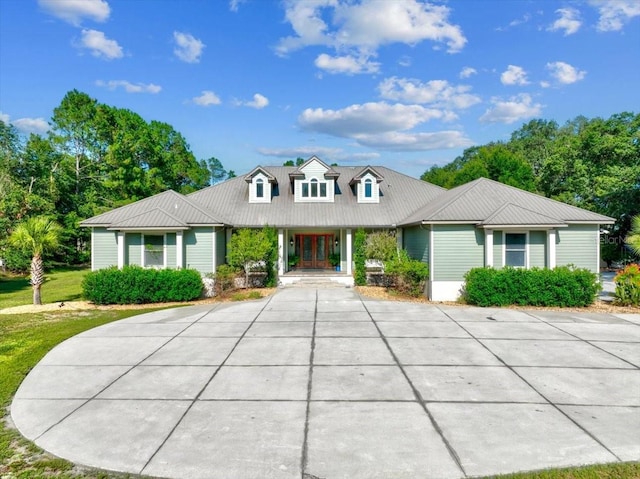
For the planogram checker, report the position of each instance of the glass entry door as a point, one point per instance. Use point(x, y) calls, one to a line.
point(314, 250)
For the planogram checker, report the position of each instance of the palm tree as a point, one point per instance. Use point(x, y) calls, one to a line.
point(37, 235)
point(633, 240)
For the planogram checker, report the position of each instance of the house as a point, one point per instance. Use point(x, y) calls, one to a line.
point(316, 209)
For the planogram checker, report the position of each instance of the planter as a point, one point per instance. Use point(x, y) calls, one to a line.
point(337, 267)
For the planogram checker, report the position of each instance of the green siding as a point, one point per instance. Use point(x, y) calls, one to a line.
point(497, 249)
point(456, 249)
point(578, 245)
point(198, 247)
point(416, 242)
point(170, 245)
point(105, 248)
point(537, 249)
point(133, 249)
point(221, 247)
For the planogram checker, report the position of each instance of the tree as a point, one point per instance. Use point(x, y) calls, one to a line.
point(247, 248)
point(231, 174)
point(300, 161)
point(217, 173)
point(37, 235)
point(633, 240)
point(288, 163)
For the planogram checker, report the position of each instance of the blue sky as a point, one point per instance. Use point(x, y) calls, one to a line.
point(401, 83)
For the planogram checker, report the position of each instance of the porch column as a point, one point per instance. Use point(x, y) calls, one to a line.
point(399, 239)
point(551, 249)
point(488, 247)
point(214, 252)
point(179, 250)
point(280, 252)
point(349, 252)
point(121, 244)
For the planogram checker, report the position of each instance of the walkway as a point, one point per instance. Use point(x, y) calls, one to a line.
point(320, 383)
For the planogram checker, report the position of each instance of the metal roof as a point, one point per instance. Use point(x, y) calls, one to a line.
point(153, 219)
point(479, 200)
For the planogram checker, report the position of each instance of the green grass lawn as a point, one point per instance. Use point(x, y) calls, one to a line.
point(60, 285)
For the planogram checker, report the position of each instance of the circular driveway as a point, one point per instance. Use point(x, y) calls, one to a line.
point(323, 383)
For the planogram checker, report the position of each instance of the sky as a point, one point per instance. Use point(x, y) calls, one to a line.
point(406, 84)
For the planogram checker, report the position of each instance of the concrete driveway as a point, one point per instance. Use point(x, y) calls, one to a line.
point(321, 383)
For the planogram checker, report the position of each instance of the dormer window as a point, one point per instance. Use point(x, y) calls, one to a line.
point(259, 188)
point(366, 185)
point(262, 185)
point(368, 188)
point(314, 188)
point(314, 182)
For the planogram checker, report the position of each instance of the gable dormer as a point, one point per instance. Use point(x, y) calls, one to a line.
point(314, 182)
point(261, 185)
point(367, 185)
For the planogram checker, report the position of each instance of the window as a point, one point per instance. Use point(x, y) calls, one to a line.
point(323, 190)
point(154, 251)
point(259, 188)
point(515, 250)
point(305, 190)
point(368, 189)
point(314, 189)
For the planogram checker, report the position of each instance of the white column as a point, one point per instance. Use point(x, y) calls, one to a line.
point(399, 238)
point(179, 249)
point(488, 247)
point(214, 248)
point(551, 249)
point(121, 244)
point(280, 252)
point(349, 252)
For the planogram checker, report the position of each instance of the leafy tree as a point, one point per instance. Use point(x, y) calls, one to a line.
point(216, 170)
point(633, 240)
point(247, 248)
point(289, 163)
point(300, 161)
point(359, 257)
point(381, 245)
point(37, 235)
point(231, 174)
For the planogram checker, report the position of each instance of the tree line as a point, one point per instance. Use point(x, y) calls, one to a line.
point(95, 157)
point(589, 163)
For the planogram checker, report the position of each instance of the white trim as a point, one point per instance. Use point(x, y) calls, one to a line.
point(551, 249)
point(488, 247)
point(526, 247)
point(349, 252)
point(431, 248)
point(280, 252)
point(179, 249)
point(93, 249)
point(214, 250)
point(121, 242)
point(445, 290)
point(597, 270)
point(164, 249)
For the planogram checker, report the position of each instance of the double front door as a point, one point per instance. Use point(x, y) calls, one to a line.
point(314, 250)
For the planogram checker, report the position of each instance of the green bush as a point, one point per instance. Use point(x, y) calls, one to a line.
point(562, 286)
point(628, 286)
point(136, 285)
point(359, 258)
point(381, 245)
point(225, 278)
point(405, 275)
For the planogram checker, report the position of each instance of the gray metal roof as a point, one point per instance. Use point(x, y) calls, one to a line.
point(513, 215)
point(153, 219)
point(170, 202)
point(400, 195)
point(479, 200)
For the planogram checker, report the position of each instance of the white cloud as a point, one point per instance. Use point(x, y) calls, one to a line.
point(467, 72)
point(235, 4)
point(39, 126)
point(207, 98)
point(400, 141)
point(367, 25)
point(346, 64)
point(259, 101)
point(569, 21)
point(514, 75)
point(545, 84)
point(73, 11)
point(188, 48)
point(130, 87)
point(615, 13)
point(99, 45)
point(438, 92)
point(514, 109)
point(565, 73)
point(300, 152)
point(404, 61)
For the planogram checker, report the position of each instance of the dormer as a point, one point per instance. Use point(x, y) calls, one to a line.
point(314, 182)
point(261, 185)
point(366, 185)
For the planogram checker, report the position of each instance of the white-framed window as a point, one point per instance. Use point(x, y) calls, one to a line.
point(259, 188)
point(368, 188)
point(153, 253)
point(314, 188)
point(516, 250)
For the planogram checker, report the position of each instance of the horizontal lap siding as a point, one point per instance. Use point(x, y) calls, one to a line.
point(105, 248)
point(221, 247)
point(578, 245)
point(416, 242)
point(497, 249)
point(537, 249)
point(133, 249)
point(456, 249)
point(198, 246)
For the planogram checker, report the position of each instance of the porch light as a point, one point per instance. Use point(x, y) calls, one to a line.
point(291, 241)
point(337, 242)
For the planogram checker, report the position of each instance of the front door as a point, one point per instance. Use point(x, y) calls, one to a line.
point(314, 250)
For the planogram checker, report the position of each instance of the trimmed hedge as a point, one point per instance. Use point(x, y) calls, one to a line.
point(136, 285)
point(405, 275)
point(628, 286)
point(562, 286)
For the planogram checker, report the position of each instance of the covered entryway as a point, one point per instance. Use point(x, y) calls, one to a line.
point(314, 249)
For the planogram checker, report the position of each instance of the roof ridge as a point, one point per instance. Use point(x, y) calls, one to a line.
point(506, 205)
point(163, 211)
point(466, 187)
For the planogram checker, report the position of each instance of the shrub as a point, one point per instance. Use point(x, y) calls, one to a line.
point(562, 286)
point(628, 286)
point(359, 258)
point(382, 246)
point(225, 278)
point(136, 285)
point(249, 247)
point(405, 275)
